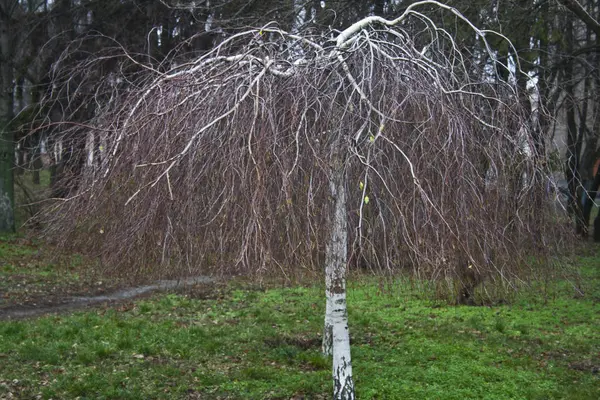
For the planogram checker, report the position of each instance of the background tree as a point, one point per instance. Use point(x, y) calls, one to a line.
point(41, 31)
point(9, 10)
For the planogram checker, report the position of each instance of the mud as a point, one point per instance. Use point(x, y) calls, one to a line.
point(81, 302)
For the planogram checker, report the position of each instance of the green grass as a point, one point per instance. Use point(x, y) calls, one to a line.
point(252, 344)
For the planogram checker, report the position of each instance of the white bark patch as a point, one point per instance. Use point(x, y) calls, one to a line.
point(336, 317)
point(327, 345)
point(343, 385)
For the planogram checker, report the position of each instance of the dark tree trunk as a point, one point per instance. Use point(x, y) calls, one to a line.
point(7, 147)
point(572, 170)
point(36, 176)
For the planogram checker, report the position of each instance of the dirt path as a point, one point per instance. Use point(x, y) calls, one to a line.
point(74, 302)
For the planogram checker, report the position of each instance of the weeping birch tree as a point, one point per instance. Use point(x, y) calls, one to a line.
point(282, 153)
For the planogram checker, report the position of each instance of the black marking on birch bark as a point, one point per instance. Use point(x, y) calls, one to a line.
point(327, 345)
point(343, 393)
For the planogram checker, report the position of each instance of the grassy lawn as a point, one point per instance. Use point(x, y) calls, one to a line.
point(236, 342)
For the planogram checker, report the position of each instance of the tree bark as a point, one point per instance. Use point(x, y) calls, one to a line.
point(572, 170)
point(576, 8)
point(327, 345)
point(7, 149)
point(336, 338)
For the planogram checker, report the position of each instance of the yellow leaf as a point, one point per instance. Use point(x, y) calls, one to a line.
point(366, 199)
point(361, 185)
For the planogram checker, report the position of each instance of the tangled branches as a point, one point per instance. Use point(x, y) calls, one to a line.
point(223, 163)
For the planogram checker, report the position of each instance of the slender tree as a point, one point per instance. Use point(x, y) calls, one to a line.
point(8, 11)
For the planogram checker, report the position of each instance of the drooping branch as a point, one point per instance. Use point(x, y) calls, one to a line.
point(576, 8)
point(231, 152)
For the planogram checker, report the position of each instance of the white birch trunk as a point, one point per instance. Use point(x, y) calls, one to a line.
point(90, 141)
point(343, 385)
point(327, 345)
point(336, 337)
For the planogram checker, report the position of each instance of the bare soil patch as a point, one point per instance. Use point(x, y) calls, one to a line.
point(34, 282)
